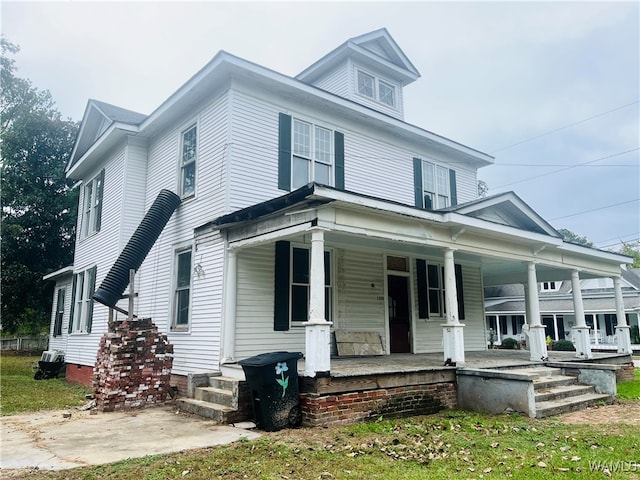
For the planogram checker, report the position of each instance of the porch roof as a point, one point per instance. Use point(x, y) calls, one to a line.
point(501, 248)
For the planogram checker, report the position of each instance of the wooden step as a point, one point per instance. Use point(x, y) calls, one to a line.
point(570, 404)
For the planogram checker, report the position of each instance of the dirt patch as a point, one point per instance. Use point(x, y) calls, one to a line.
point(621, 412)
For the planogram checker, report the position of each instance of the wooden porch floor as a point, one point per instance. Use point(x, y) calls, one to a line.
point(407, 362)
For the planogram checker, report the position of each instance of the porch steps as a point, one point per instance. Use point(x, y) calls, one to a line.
point(217, 401)
point(556, 393)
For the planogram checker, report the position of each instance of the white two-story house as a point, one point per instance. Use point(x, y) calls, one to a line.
point(308, 206)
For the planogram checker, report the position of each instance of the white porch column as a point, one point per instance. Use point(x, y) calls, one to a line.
point(580, 333)
point(537, 339)
point(622, 329)
point(452, 334)
point(317, 329)
point(229, 308)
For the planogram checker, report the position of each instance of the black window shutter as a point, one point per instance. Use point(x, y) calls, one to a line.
point(73, 302)
point(417, 183)
point(99, 194)
point(92, 287)
point(338, 147)
point(423, 298)
point(284, 152)
point(459, 291)
point(453, 187)
point(281, 288)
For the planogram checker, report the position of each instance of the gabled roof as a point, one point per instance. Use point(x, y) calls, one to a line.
point(376, 49)
point(506, 209)
point(98, 117)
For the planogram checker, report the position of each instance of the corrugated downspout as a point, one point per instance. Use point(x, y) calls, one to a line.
point(137, 248)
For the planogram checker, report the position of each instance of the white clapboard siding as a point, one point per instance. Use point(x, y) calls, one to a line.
point(360, 295)
point(60, 342)
point(428, 332)
point(336, 81)
point(134, 190)
point(254, 307)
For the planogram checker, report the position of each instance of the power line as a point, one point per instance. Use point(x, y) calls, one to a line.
point(594, 209)
point(559, 165)
point(568, 168)
point(564, 127)
point(617, 237)
point(621, 242)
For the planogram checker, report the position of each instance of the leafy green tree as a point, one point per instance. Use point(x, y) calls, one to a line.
point(569, 236)
point(632, 249)
point(38, 204)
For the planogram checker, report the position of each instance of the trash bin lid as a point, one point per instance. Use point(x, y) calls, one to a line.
point(269, 358)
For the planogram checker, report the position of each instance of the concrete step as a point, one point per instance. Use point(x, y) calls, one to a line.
point(562, 391)
point(224, 383)
point(542, 383)
point(570, 404)
point(537, 372)
point(218, 413)
point(218, 396)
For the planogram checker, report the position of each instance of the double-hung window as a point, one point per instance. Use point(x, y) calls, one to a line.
point(376, 89)
point(435, 183)
point(188, 156)
point(84, 285)
point(182, 289)
point(92, 205)
point(435, 292)
point(431, 291)
point(59, 315)
point(312, 154)
point(300, 267)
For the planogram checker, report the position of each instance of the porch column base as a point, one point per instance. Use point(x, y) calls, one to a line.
point(317, 357)
point(537, 343)
point(453, 339)
point(582, 342)
point(624, 339)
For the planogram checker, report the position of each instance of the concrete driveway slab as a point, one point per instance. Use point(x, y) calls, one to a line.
point(55, 440)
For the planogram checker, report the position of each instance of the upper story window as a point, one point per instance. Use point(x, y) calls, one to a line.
point(435, 184)
point(376, 89)
point(549, 286)
point(312, 154)
point(182, 289)
point(188, 156)
point(84, 285)
point(92, 205)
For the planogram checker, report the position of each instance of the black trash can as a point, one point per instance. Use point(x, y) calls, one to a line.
point(273, 381)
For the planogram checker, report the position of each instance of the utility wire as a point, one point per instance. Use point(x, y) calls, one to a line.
point(617, 237)
point(621, 242)
point(568, 168)
point(564, 127)
point(559, 165)
point(594, 209)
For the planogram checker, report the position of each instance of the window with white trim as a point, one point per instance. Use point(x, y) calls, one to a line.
point(59, 315)
point(188, 156)
point(376, 89)
point(182, 289)
point(92, 205)
point(300, 267)
point(550, 286)
point(84, 285)
point(312, 154)
point(435, 184)
point(435, 289)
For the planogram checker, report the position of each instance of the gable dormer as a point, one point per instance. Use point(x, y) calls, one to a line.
point(369, 69)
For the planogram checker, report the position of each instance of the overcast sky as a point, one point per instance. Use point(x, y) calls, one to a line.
point(495, 76)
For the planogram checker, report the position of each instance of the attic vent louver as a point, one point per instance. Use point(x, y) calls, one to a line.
point(137, 248)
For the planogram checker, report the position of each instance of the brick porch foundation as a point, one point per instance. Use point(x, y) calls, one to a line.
point(79, 374)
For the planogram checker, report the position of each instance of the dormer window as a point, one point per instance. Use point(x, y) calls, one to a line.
point(550, 286)
point(376, 89)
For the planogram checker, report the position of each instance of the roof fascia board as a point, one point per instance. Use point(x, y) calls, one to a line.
point(85, 119)
point(384, 33)
point(59, 273)
point(387, 64)
point(107, 134)
point(580, 250)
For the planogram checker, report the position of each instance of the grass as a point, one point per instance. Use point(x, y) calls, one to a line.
point(21, 393)
point(630, 390)
point(448, 445)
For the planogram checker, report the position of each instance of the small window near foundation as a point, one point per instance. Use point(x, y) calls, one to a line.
point(398, 264)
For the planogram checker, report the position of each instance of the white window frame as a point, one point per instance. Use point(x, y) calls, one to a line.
point(550, 286)
point(58, 318)
point(311, 153)
point(439, 289)
point(377, 87)
point(176, 289)
point(190, 162)
point(328, 288)
point(434, 186)
point(92, 205)
point(83, 301)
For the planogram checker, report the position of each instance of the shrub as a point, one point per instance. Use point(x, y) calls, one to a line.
point(635, 335)
point(510, 343)
point(563, 346)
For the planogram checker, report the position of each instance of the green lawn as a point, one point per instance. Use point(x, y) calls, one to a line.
point(19, 392)
point(630, 390)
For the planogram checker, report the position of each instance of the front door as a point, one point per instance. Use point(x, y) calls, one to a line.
point(399, 317)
